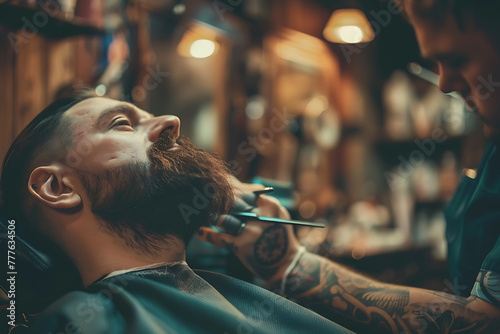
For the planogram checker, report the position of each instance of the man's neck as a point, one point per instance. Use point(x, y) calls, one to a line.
point(104, 255)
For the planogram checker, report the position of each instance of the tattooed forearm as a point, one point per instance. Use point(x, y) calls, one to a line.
point(335, 291)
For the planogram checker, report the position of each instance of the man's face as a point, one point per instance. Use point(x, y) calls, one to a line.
point(469, 63)
point(142, 180)
point(108, 133)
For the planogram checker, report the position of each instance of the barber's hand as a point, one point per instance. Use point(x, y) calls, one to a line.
point(266, 249)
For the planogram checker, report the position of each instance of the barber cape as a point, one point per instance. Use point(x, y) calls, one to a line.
point(171, 298)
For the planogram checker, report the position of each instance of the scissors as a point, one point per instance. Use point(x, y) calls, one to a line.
point(242, 212)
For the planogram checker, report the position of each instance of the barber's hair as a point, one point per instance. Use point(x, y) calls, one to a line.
point(484, 11)
point(41, 140)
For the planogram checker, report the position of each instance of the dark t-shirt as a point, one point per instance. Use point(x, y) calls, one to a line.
point(473, 231)
point(174, 299)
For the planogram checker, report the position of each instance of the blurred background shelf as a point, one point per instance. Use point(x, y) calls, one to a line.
point(52, 25)
point(390, 150)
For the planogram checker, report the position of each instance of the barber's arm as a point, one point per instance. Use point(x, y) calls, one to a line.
point(265, 249)
point(333, 290)
point(342, 295)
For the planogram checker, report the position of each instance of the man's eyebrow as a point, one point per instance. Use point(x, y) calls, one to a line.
point(123, 108)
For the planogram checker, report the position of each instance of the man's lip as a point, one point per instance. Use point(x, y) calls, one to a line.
point(173, 147)
point(471, 105)
point(468, 100)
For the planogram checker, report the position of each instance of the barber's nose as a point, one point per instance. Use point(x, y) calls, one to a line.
point(161, 123)
point(450, 81)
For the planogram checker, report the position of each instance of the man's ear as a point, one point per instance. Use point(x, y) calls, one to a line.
point(53, 187)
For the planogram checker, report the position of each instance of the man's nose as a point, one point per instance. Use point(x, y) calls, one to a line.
point(451, 81)
point(161, 123)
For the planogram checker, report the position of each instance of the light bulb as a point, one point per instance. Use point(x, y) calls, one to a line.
point(350, 34)
point(202, 48)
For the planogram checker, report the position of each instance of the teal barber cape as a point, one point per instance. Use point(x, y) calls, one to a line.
point(473, 231)
point(171, 298)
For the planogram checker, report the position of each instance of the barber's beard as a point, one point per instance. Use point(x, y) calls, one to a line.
point(173, 195)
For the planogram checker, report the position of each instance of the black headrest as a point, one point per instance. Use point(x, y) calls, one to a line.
point(39, 278)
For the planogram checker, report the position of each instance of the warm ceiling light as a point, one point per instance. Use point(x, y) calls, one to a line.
point(348, 26)
point(197, 42)
point(350, 34)
point(202, 48)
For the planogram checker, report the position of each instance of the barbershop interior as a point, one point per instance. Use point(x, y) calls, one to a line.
point(328, 102)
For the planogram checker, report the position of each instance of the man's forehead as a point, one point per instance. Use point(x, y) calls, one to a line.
point(93, 107)
point(92, 114)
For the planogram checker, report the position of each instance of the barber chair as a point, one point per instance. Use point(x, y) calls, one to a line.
point(39, 279)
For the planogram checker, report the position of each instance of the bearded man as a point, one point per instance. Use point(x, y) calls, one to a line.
point(120, 193)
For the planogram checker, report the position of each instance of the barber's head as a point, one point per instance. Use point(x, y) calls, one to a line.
point(132, 173)
point(462, 37)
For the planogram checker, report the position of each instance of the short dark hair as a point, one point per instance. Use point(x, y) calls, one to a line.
point(31, 147)
point(485, 11)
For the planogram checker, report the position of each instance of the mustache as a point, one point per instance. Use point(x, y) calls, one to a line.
point(165, 140)
point(187, 160)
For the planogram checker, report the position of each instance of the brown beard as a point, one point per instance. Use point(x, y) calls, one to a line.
point(175, 194)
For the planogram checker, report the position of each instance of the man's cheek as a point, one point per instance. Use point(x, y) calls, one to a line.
point(113, 153)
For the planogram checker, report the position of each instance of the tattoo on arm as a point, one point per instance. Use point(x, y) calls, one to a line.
point(271, 246)
point(337, 292)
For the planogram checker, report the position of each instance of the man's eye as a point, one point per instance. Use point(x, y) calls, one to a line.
point(121, 122)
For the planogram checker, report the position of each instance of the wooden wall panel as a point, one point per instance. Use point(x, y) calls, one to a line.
point(31, 77)
point(88, 51)
point(6, 93)
point(61, 65)
point(30, 84)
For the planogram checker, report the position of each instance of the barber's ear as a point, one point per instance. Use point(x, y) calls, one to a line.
point(53, 187)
